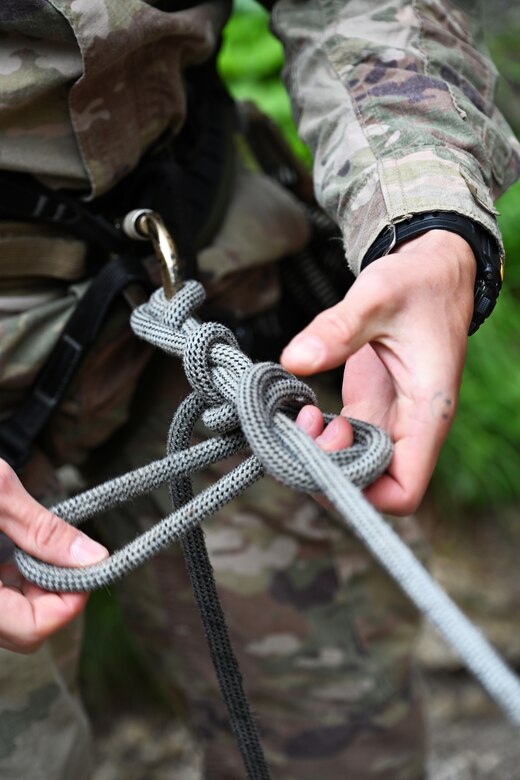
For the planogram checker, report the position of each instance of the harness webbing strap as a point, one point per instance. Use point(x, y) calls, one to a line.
point(19, 431)
point(28, 250)
point(24, 198)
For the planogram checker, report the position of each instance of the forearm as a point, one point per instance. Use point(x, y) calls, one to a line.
point(398, 109)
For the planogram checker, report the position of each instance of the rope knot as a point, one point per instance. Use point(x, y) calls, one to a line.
point(267, 396)
point(265, 391)
point(198, 363)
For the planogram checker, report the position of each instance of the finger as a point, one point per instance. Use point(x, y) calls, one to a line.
point(335, 334)
point(38, 531)
point(368, 389)
point(400, 490)
point(310, 420)
point(337, 435)
point(26, 621)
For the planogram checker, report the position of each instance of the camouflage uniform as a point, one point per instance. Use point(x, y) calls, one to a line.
point(396, 101)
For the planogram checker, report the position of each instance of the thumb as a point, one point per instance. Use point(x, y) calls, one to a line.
point(334, 335)
point(40, 532)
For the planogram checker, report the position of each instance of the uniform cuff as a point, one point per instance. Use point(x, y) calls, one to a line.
point(394, 190)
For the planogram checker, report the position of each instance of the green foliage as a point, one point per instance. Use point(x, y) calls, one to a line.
point(504, 51)
point(509, 221)
point(250, 62)
point(480, 463)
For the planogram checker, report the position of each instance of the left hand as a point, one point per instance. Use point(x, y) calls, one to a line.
point(28, 614)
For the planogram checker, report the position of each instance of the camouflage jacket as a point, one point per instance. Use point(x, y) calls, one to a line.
point(395, 98)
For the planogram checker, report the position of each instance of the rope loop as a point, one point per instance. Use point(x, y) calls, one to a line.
point(197, 360)
point(182, 305)
point(264, 391)
point(263, 399)
point(221, 419)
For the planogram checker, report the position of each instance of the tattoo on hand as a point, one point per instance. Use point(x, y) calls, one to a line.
point(441, 406)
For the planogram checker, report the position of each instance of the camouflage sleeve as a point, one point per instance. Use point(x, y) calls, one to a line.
point(396, 101)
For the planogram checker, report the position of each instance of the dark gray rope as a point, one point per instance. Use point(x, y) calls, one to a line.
point(262, 399)
point(212, 615)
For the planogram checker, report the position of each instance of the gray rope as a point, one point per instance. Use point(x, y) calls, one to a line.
point(262, 399)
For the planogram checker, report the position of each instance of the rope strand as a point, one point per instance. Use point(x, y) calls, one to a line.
point(230, 392)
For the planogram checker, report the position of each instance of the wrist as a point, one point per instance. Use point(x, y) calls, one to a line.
point(486, 253)
point(454, 269)
point(455, 255)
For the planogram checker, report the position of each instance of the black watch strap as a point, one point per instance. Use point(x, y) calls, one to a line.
point(485, 248)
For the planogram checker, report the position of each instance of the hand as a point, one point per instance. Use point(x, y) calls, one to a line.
point(28, 614)
point(402, 332)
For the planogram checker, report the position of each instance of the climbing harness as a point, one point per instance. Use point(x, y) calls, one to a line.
point(188, 181)
point(196, 167)
point(251, 407)
point(19, 431)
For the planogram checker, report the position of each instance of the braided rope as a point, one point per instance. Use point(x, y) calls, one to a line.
point(231, 393)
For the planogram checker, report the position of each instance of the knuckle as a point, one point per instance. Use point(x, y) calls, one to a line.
point(406, 508)
point(338, 325)
point(47, 529)
point(24, 641)
point(30, 644)
point(382, 292)
point(8, 478)
point(409, 503)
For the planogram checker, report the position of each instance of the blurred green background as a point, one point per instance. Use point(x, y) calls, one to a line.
point(480, 463)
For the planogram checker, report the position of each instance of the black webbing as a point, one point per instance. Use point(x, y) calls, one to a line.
point(24, 198)
point(19, 431)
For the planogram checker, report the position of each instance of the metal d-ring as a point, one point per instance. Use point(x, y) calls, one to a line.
point(147, 224)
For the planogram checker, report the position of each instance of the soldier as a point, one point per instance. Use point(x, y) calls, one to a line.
point(395, 100)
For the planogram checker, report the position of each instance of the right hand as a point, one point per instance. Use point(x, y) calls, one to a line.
point(28, 614)
point(401, 332)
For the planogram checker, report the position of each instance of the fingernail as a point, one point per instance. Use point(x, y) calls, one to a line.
point(305, 351)
point(305, 420)
point(86, 551)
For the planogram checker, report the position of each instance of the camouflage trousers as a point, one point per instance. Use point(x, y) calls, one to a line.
point(324, 638)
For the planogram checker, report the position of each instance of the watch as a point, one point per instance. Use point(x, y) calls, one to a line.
point(490, 268)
